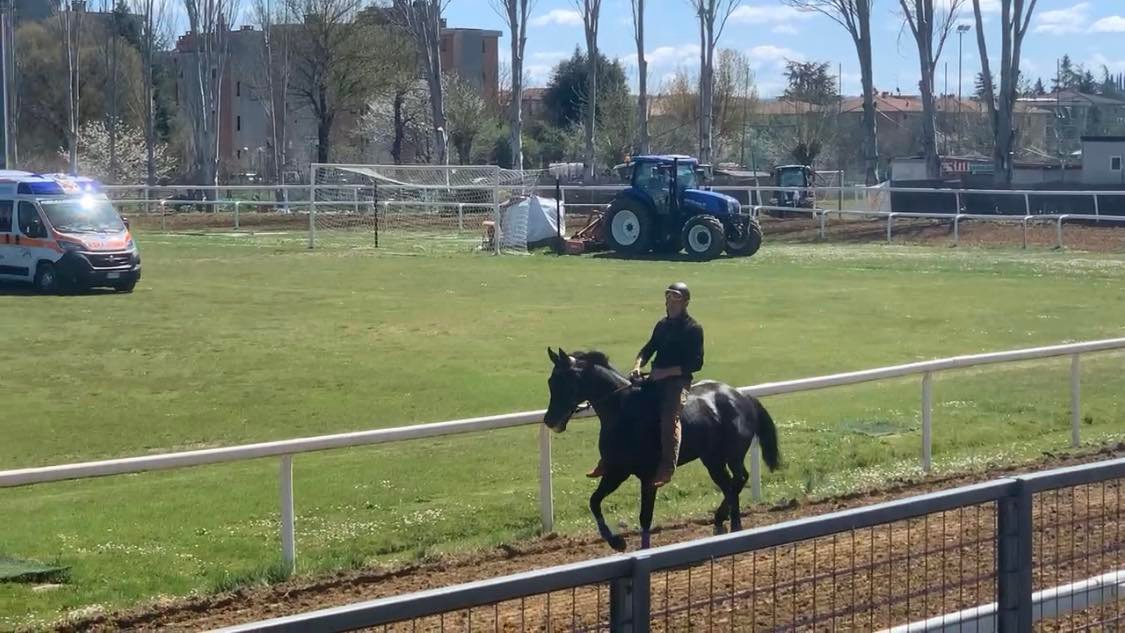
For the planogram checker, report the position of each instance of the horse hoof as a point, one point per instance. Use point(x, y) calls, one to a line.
point(617, 543)
point(719, 530)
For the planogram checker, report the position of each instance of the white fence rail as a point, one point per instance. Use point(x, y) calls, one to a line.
point(286, 449)
point(752, 193)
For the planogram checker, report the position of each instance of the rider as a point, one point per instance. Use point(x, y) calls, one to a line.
point(677, 341)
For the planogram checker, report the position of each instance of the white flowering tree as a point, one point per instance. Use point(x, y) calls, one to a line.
point(132, 156)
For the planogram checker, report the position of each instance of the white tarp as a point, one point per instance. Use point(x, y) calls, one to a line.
point(538, 215)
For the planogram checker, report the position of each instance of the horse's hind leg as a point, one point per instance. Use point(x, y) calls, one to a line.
point(648, 503)
point(741, 476)
point(610, 482)
point(723, 480)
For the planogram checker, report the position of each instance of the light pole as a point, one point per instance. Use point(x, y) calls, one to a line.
point(961, 30)
point(6, 31)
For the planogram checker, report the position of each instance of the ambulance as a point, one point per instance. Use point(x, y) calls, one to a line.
point(61, 233)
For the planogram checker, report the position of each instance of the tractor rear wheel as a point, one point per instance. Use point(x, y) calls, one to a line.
point(703, 237)
point(629, 228)
point(749, 243)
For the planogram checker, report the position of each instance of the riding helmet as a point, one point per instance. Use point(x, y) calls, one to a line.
point(681, 288)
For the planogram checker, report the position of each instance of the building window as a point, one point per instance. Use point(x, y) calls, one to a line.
point(238, 123)
point(1115, 163)
point(238, 88)
point(484, 46)
point(238, 154)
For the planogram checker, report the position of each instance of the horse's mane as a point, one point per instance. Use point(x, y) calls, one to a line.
point(596, 358)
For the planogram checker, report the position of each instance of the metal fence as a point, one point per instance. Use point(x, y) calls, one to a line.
point(1036, 552)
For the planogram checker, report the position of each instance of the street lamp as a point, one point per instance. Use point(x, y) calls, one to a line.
point(961, 30)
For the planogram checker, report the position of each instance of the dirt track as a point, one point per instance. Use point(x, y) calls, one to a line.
point(855, 581)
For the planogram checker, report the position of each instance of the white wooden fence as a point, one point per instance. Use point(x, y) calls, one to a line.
point(286, 449)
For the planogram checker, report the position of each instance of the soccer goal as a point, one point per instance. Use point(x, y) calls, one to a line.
point(423, 208)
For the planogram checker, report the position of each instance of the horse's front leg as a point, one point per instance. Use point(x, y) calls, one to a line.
point(648, 503)
point(611, 481)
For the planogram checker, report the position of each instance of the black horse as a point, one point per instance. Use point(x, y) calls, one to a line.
point(717, 427)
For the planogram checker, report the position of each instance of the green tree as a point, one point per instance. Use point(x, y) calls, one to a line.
point(565, 98)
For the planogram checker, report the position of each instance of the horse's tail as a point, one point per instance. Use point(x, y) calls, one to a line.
point(767, 438)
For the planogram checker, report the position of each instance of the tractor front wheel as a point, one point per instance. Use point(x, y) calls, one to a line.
point(748, 243)
point(629, 229)
point(703, 237)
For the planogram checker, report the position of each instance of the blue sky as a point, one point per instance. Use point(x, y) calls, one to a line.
point(1091, 31)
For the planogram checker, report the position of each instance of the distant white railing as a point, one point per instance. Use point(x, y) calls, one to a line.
point(286, 449)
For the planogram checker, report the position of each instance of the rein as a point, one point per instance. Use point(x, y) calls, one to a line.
point(583, 407)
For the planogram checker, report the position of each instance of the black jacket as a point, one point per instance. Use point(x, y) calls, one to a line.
point(676, 343)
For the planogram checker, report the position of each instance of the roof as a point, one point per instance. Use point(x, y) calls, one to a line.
point(1103, 139)
point(665, 158)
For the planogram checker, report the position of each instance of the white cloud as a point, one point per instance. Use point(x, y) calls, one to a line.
point(672, 55)
point(1111, 24)
point(752, 14)
point(1097, 60)
point(538, 71)
point(1064, 21)
point(768, 54)
point(561, 17)
point(784, 29)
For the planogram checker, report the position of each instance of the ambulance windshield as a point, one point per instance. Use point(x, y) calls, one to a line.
point(83, 215)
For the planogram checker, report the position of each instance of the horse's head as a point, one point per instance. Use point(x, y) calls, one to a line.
point(565, 385)
point(569, 385)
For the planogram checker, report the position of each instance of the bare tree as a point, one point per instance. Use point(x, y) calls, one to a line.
point(70, 26)
point(209, 29)
point(713, 16)
point(1015, 18)
point(276, 70)
point(930, 29)
point(638, 7)
point(154, 25)
point(855, 17)
point(334, 69)
point(515, 14)
point(591, 11)
point(422, 20)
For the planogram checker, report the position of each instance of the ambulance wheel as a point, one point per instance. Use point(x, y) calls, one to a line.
point(47, 278)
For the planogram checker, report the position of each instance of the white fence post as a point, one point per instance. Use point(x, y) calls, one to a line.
point(1075, 401)
point(355, 200)
point(312, 210)
point(546, 488)
point(288, 537)
point(755, 471)
point(1058, 231)
point(823, 225)
point(163, 222)
point(460, 216)
point(957, 229)
point(927, 421)
point(1025, 219)
point(236, 203)
point(890, 225)
point(1097, 210)
point(1027, 203)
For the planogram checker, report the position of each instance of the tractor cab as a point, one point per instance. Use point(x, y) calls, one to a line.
point(794, 177)
point(663, 180)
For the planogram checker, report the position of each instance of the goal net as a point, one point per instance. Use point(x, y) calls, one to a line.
point(423, 208)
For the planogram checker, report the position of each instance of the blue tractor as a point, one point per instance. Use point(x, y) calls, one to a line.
point(665, 211)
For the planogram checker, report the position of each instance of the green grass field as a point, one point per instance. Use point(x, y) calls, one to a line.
point(233, 340)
